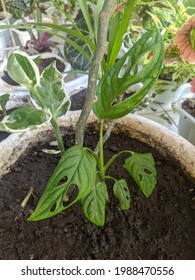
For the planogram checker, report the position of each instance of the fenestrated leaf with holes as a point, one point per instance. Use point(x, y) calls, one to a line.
point(79, 167)
point(141, 167)
point(121, 191)
point(113, 86)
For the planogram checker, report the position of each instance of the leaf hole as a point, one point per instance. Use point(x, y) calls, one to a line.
point(53, 207)
point(71, 195)
point(146, 170)
point(125, 189)
point(63, 180)
point(127, 197)
point(140, 177)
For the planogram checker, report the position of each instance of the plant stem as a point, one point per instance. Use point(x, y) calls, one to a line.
point(32, 36)
point(101, 149)
point(106, 136)
point(93, 72)
point(58, 135)
point(38, 18)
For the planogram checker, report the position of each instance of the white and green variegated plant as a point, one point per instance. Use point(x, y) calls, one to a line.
point(82, 174)
point(85, 172)
point(46, 92)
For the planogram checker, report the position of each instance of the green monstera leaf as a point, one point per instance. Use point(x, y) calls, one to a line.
point(94, 204)
point(121, 191)
point(76, 169)
point(141, 167)
point(24, 119)
point(50, 90)
point(112, 85)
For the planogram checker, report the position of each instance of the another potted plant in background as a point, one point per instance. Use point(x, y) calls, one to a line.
point(38, 44)
point(184, 97)
point(82, 173)
point(184, 104)
point(170, 17)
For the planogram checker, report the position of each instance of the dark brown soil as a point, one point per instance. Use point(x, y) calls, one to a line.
point(189, 106)
point(77, 100)
point(159, 227)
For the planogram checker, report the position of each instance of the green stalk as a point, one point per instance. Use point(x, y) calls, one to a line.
point(110, 162)
point(38, 18)
point(93, 72)
point(53, 120)
point(58, 135)
point(32, 36)
point(101, 149)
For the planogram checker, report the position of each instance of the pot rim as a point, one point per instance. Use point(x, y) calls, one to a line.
point(164, 140)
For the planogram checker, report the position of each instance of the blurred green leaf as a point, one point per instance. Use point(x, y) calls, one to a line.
point(50, 90)
point(3, 101)
point(22, 69)
point(23, 119)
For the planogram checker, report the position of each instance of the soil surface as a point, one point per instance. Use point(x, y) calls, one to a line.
point(159, 227)
point(189, 106)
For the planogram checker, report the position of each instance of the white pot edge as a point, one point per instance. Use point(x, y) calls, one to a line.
point(150, 132)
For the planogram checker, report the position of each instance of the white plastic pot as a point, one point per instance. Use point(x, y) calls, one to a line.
point(162, 139)
point(186, 125)
point(24, 35)
point(165, 95)
point(3, 43)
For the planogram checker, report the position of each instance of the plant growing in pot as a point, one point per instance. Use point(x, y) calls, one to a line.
point(80, 169)
point(185, 40)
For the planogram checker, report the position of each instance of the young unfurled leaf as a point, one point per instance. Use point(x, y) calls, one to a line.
point(51, 90)
point(142, 169)
point(3, 101)
point(22, 69)
point(121, 191)
point(112, 86)
point(23, 119)
point(94, 204)
point(77, 167)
